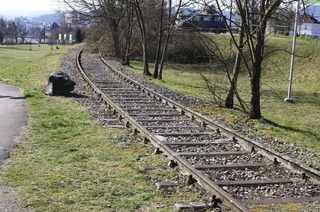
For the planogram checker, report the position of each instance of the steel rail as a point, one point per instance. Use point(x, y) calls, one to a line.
point(204, 181)
point(243, 140)
point(158, 142)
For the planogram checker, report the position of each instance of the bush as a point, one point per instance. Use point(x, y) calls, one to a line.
point(187, 47)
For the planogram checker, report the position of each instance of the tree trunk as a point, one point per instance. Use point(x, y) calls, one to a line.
point(169, 32)
point(164, 53)
point(126, 57)
point(145, 59)
point(229, 100)
point(115, 37)
point(128, 34)
point(255, 110)
point(143, 32)
point(160, 36)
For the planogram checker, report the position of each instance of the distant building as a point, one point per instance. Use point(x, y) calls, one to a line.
point(310, 26)
point(52, 31)
point(55, 26)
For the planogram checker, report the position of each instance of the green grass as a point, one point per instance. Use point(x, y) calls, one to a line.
point(298, 122)
point(65, 161)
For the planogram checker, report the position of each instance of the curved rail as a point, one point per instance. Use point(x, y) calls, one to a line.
point(203, 180)
point(245, 141)
point(210, 124)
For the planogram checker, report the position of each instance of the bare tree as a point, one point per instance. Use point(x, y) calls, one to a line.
point(254, 16)
point(160, 38)
point(115, 21)
point(256, 45)
point(229, 100)
point(127, 33)
point(107, 12)
point(172, 18)
point(143, 32)
point(12, 31)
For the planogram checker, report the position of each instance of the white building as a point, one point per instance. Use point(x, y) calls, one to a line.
point(309, 26)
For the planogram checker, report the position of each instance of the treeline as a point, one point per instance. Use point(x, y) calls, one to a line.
point(21, 30)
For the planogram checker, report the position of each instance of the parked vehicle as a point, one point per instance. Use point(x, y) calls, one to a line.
point(204, 22)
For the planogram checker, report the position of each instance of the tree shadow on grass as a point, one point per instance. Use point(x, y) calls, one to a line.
point(290, 129)
point(71, 95)
point(16, 47)
point(77, 96)
point(311, 98)
point(299, 97)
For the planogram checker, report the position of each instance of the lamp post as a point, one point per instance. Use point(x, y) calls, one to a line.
point(289, 99)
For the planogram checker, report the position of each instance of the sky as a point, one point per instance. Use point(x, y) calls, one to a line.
point(8, 7)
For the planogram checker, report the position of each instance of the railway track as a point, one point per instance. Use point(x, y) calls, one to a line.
point(237, 170)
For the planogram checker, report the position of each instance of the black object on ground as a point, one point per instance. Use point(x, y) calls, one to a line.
point(59, 83)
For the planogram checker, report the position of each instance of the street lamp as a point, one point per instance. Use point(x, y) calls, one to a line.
point(289, 99)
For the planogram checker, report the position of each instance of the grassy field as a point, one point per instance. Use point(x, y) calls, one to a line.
point(65, 161)
point(297, 122)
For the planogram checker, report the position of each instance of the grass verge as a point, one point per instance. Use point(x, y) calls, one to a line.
point(65, 161)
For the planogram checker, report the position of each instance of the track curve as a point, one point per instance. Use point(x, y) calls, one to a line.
point(236, 169)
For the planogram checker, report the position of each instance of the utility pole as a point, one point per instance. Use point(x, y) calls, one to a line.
point(231, 11)
point(289, 99)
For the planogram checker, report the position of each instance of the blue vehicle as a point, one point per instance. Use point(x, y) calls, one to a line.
point(205, 22)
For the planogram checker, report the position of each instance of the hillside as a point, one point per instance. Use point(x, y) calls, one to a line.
point(48, 18)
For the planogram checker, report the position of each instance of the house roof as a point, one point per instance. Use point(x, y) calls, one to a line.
point(305, 18)
point(55, 26)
